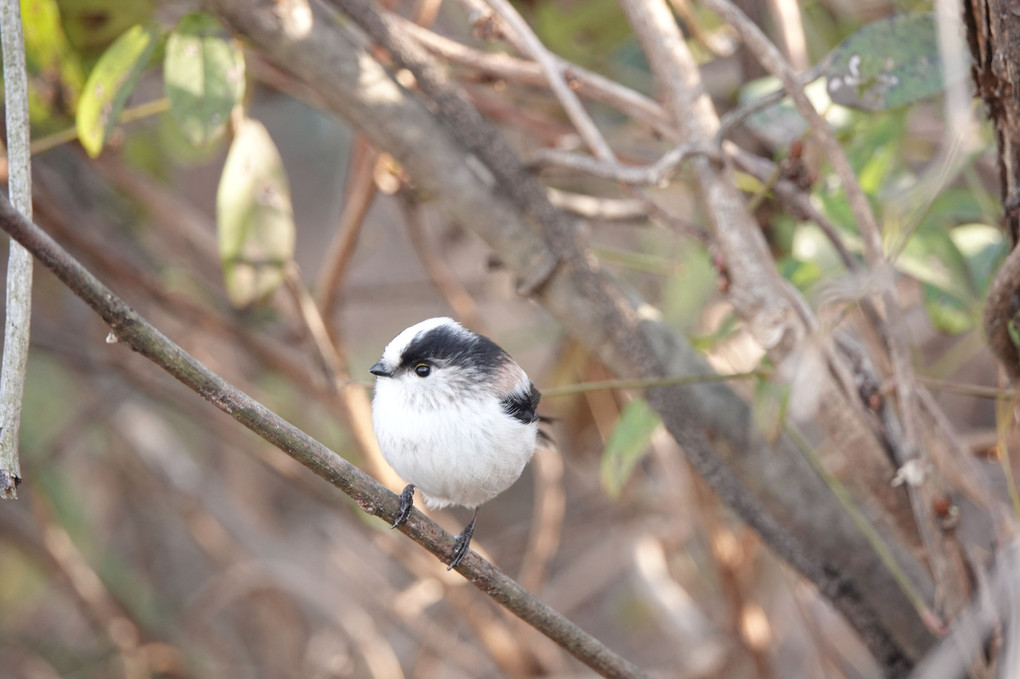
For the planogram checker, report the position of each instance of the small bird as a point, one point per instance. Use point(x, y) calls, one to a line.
point(454, 416)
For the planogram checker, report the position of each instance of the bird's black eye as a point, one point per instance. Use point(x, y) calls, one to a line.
point(423, 370)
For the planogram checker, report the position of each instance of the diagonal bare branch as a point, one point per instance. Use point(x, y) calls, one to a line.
point(134, 331)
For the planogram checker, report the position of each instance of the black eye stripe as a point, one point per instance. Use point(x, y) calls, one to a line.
point(446, 345)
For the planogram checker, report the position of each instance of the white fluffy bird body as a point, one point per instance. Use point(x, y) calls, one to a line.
point(455, 454)
point(453, 413)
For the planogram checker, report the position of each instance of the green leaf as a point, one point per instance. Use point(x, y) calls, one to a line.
point(627, 444)
point(888, 63)
point(984, 248)
point(110, 84)
point(254, 216)
point(204, 74)
point(947, 313)
point(91, 25)
point(768, 409)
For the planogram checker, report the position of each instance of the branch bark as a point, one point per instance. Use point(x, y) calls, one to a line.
point(19, 263)
point(994, 37)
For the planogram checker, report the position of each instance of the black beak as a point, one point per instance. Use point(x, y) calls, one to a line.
point(379, 370)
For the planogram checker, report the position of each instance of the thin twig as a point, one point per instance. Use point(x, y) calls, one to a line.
point(134, 331)
point(873, 537)
point(589, 84)
point(19, 263)
point(352, 401)
point(436, 268)
point(528, 42)
point(46, 541)
point(769, 57)
point(603, 385)
point(790, 27)
point(975, 390)
point(143, 110)
point(718, 45)
point(1004, 418)
point(359, 192)
point(484, 140)
point(738, 115)
point(657, 174)
point(598, 207)
point(797, 200)
point(556, 70)
point(547, 518)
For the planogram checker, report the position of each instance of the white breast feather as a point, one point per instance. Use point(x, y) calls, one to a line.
point(456, 450)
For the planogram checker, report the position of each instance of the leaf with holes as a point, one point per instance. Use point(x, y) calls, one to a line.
point(254, 216)
point(888, 63)
point(110, 84)
point(204, 74)
point(627, 444)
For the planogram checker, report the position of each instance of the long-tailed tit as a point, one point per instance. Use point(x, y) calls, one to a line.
point(455, 416)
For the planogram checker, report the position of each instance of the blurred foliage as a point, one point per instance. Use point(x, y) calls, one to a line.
point(587, 32)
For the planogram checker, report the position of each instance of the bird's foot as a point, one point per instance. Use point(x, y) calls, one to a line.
point(462, 542)
point(406, 505)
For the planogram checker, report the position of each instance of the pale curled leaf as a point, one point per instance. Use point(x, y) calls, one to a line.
point(254, 216)
point(110, 84)
point(204, 75)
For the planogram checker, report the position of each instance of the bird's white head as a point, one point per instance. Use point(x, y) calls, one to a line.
point(438, 360)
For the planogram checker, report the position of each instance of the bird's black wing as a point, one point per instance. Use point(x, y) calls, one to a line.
point(521, 405)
